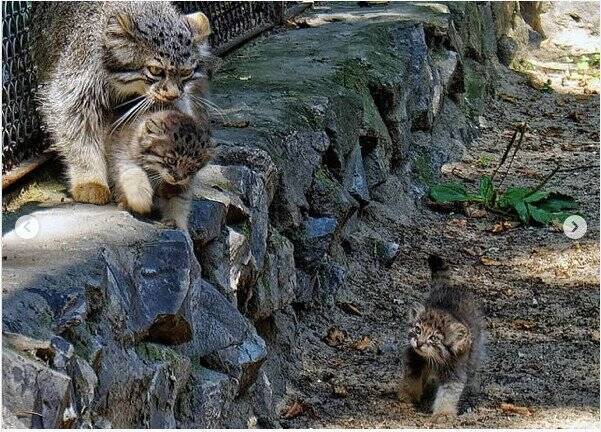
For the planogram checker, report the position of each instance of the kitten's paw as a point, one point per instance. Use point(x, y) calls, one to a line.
point(92, 192)
point(175, 223)
point(139, 200)
point(169, 223)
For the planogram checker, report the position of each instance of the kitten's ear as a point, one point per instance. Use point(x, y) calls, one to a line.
point(199, 23)
point(211, 64)
point(121, 24)
point(458, 338)
point(154, 127)
point(414, 311)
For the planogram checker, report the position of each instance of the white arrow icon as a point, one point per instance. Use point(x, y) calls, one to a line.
point(574, 227)
point(27, 227)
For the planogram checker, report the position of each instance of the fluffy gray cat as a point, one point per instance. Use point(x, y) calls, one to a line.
point(92, 57)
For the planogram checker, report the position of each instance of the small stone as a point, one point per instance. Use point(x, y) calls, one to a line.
point(206, 220)
point(387, 251)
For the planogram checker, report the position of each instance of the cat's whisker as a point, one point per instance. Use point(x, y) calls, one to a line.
point(125, 117)
point(209, 106)
point(127, 102)
point(148, 103)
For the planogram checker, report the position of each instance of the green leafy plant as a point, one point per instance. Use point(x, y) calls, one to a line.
point(530, 205)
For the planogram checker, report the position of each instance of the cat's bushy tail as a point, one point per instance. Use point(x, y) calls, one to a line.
point(439, 270)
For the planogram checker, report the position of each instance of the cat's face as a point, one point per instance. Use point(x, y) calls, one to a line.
point(166, 60)
point(436, 335)
point(172, 147)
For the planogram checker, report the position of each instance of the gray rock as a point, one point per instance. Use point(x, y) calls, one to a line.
point(303, 150)
point(355, 179)
point(411, 43)
point(331, 278)
point(228, 263)
point(84, 384)
point(10, 420)
point(206, 399)
point(305, 287)
point(276, 286)
point(263, 401)
point(151, 283)
point(222, 337)
point(250, 187)
point(206, 220)
point(139, 387)
point(62, 352)
point(41, 395)
point(450, 69)
point(386, 251)
point(312, 242)
point(329, 198)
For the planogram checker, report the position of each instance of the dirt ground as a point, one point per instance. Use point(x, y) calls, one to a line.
point(538, 289)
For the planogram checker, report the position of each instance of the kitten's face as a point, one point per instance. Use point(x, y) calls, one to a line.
point(437, 336)
point(171, 147)
point(165, 59)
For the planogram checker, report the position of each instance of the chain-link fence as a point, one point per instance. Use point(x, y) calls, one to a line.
point(232, 23)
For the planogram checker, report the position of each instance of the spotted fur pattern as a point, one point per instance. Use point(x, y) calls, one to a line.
point(91, 57)
point(156, 159)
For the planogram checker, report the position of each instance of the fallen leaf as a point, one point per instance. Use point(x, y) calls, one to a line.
point(509, 408)
point(339, 390)
point(487, 261)
point(458, 169)
point(349, 308)
point(298, 408)
point(506, 97)
point(501, 227)
point(362, 344)
point(236, 123)
point(522, 324)
point(335, 337)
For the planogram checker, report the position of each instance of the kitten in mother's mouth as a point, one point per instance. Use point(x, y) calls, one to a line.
point(155, 159)
point(446, 345)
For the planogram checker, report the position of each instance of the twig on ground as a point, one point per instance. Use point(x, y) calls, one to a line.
point(522, 130)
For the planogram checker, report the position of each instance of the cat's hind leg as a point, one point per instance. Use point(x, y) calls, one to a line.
point(88, 175)
point(447, 398)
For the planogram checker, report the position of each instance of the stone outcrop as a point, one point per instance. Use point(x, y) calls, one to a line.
point(111, 320)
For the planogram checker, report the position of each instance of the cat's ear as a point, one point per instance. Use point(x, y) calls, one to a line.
point(458, 338)
point(414, 311)
point(199, 23)
point(121, 24)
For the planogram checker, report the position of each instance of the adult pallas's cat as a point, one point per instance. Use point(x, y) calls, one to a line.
point(94, 56)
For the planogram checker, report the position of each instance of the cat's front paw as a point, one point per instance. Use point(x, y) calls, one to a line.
point(91, 192)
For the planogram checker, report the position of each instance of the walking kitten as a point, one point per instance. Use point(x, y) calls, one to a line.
point(158, 156)
point(445, 345)
point(93, 56)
